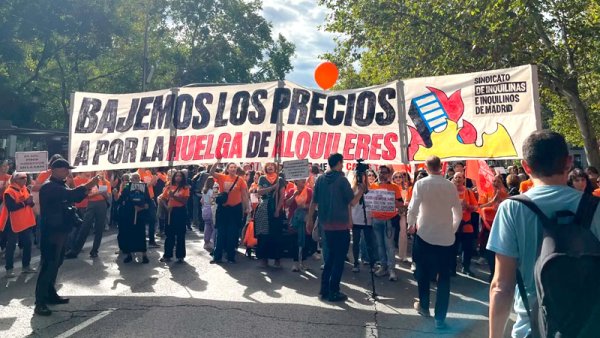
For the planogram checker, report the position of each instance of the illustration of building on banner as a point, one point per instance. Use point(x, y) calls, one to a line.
point(436, 130)
point(428, 115)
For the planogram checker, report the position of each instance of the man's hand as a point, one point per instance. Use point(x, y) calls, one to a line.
point(412, 230)
point(29, 201)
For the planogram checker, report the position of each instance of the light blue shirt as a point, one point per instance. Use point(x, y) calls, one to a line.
point(517, 232)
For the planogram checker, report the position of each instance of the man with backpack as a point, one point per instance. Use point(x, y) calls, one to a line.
point(546, 242)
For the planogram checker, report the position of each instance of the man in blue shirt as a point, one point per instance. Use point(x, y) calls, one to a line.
point(516, 233)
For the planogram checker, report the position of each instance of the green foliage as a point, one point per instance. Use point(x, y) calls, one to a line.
point(392, 39)
point(50, 48)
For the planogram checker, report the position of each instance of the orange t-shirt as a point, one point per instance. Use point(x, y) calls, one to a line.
point(147, 177)
point(525, 185)
point(77, 181)
point(225, 182)
point(43, 176)
point(386, 215)
point(179, 192)
point(469, 197)
point(597, 192)
point(96, 189)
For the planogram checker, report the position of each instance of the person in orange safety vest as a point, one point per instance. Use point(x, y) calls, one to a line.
point(16, 220)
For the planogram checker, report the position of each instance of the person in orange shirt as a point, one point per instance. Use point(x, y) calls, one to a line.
point(383, 226)
point(488, 206)
point(176, 195)
point(402, 179)
point(466, 234)
point(94, 216)
point(150, 179)
point(525, 185)
point(229, 215)
point(16, 220)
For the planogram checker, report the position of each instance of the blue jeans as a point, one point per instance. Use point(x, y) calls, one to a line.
point(384, 233)
point(338, 243)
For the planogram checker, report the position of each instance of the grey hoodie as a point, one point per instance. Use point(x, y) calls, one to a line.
point(333, 194)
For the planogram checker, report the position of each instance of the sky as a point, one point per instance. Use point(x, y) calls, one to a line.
point(301, 22)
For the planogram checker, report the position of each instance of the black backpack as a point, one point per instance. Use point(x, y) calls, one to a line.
point(567, 274)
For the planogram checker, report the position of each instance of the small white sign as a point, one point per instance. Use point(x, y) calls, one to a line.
point(296, 170)
point(31, 161)
point(500, 170)
point(381, 200)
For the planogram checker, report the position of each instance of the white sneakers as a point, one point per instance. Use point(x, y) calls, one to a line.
point(393, 276)
point(381, 271)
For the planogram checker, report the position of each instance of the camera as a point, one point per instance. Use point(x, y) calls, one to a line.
point(361, 169)
point(71, 216)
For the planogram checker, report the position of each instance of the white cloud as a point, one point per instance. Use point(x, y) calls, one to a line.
point(302, 23)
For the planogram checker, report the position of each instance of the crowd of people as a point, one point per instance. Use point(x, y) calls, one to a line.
point(441, 221)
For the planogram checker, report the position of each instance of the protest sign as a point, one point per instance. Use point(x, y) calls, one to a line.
point(485, 115)
point(31, 161)
point(296, 170)
point(477, 115)
point(380, 200)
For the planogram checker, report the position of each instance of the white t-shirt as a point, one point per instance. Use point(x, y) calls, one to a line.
point(358, 215)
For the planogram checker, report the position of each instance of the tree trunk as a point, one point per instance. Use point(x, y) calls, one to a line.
point(590, 142)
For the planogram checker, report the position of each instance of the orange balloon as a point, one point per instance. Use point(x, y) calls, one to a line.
point(326, 74)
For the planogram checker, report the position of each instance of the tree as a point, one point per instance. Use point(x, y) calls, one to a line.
point(50, 48)
point(400, 38)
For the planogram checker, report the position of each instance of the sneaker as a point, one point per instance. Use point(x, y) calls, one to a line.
point(337, 297)
point(356, 268)
point(322, 266)
point(165, 259)
point(393, 276)
point(413, 267)
point(128, 259)
point(179, 260)
point(295, 268)
point(28, 269)
point(316, 256)
point(420, 310)
point(93, 255)
point(10, 274)
point(381, 272)
point(440, 325)
point(208, 247)
point(366, 262)
point(153, 245)
point(214, 261)
point(145, 260)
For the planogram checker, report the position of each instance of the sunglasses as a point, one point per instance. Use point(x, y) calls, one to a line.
point(370, 175)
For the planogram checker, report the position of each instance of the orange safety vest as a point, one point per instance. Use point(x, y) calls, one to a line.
point(21, 219)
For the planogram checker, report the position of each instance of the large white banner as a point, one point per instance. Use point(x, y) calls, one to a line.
point(472, 116)
point(478, 115)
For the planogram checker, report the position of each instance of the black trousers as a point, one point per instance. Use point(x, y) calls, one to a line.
point(338, 243)
point(228, 225)
point(53, 251)
point(24, 239)
point(465, 243)
point(175, 231)
point(431, 261)
point(369, 239)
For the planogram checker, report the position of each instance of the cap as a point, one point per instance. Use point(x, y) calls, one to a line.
point(61, 163)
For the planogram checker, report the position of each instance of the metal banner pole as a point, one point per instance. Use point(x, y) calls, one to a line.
point(172, 129)
point(402, 123)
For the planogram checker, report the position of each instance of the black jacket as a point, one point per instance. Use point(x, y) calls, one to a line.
point(55, 197)
point(333, 194)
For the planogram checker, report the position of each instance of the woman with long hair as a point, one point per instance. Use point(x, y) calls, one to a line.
point(402, 179)
point(297, 201)
point(579, 180)
point(134, 200)
point(268, 225)
point(176, 195)
point(229, 215)
point(362, 230)
point(207, 200)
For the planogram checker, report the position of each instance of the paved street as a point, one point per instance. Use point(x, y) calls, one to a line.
point(196, 299)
